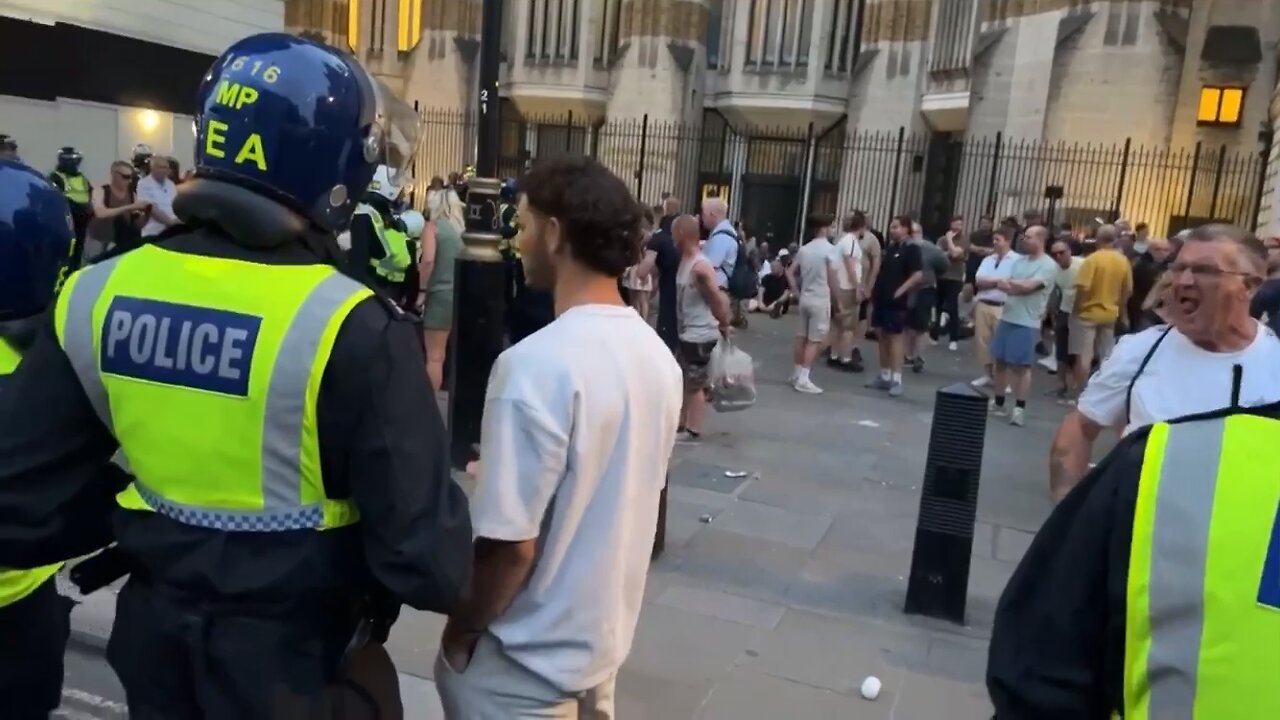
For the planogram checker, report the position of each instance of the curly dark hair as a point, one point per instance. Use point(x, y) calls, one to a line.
point(599, 217)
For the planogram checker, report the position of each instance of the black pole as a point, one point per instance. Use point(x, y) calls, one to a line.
point(995, 171)
point(1217, 183)
point(1191, 187)
point(480, 281)
point(1124, 172)
point(1264, 157)
point(644, 147)
point(897, 172)
point(490, 138)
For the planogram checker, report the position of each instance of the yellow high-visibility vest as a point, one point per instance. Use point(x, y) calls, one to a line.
point(396, 257)
point(74, 187)
point(17, 584)
point(1202, 626)
point(207, 370)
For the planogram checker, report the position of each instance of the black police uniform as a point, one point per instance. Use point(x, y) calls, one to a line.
point(33, 630)
point(528, 309)
point(258, 611)
point(365, 247)
point(1058, 645)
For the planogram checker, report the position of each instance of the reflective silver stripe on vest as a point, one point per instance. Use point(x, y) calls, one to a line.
point(1179, 547)
point(284, 407)
point(287, 391)
point(77, 339)
point(77, 334)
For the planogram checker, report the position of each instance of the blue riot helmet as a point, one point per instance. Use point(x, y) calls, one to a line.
point(508, 190)
point(36, 241)
point(297, 124)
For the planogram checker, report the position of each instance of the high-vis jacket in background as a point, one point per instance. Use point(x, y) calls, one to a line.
point(75, 187)
point(1202, 626)
point(206, 370)
point(396, 256)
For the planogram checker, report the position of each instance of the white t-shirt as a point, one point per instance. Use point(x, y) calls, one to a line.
point(848, 246)
point(994, 267)
point(814, 258)
point(161, 196)
point(579, 423)
point(1180, 379)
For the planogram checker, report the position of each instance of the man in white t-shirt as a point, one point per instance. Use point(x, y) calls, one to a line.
point(813, 279)
point(989, 301)
point(1170, 371)
point(579, 423)
point(848, 296)
point(157, 189)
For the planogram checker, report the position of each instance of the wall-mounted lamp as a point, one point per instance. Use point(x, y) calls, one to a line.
point(148, 120)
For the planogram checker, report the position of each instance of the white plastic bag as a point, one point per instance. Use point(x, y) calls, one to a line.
point(733, 378)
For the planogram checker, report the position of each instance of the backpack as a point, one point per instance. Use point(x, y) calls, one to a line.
point(744, 283)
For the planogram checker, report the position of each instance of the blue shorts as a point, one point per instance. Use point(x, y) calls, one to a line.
point(1014, 344)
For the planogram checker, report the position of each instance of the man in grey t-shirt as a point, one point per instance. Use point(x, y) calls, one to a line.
point(812, 278)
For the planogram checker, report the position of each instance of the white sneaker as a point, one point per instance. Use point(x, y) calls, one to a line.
point(981, 382)
point(807, 387)
point(1016, 419)
point(997, 410)
point(953, 347)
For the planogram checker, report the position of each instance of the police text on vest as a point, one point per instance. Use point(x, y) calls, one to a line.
point(172, 344)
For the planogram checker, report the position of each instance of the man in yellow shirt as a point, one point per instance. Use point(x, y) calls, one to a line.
point(1103, 287)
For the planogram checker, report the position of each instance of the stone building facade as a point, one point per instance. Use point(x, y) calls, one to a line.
point(1141, 76)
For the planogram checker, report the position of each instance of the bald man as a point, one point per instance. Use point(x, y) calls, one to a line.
point(722, 241)
point(704, 318)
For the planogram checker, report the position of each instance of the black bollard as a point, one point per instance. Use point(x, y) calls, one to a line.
point(478, 307)
point(660, 535)
point(939, 582)
point(479, 278)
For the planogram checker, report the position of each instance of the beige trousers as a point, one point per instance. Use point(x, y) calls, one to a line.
point(985, 318)
point(495, 687)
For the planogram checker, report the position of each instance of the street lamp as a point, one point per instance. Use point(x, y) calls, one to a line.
point(479, 275)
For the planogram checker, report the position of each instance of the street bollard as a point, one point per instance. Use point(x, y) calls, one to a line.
point(939, 581)
point(479, 280)
point(479, 292)
point(660, 535)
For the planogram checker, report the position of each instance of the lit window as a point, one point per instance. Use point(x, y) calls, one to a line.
point(1220, 105)
point(410, 25)
point(353, 24)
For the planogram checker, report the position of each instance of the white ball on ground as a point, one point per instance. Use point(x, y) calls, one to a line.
point(871, 687)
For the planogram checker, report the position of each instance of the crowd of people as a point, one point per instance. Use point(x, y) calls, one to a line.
point(237, 416)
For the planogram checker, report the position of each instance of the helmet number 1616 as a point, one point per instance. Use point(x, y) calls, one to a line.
point(270, 75)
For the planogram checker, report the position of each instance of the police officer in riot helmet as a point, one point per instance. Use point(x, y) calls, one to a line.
point(66, 176)
point(381, 253)
point(528, 309)
point(35, 243)
point(290, 477)
point(141, 159)
point(8, 147)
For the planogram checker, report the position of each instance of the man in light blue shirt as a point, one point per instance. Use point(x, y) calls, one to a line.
point(722, 244)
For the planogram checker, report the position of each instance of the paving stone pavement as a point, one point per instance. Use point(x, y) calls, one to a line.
point(782, 590)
